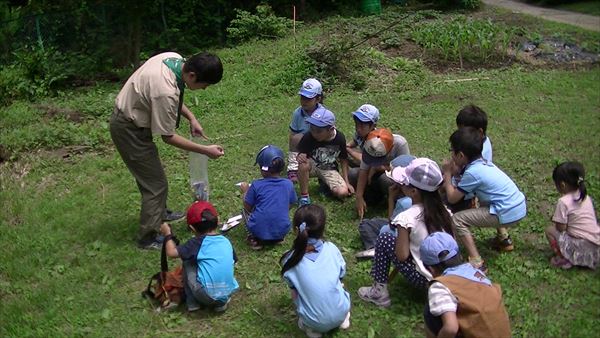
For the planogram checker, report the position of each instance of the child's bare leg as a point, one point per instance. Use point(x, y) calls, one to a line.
point(469, 243)
point(552, 235)
point(303, 176)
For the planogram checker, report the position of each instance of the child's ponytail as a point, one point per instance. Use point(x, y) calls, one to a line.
point(572, 174)
point(310, 221)
point(435, 215)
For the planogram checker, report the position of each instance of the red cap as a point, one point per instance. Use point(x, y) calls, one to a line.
point(194, 213)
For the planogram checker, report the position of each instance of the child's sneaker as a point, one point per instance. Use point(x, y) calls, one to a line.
point(365, 254)
point(346, 323)
point(561, 262)
point(293, 175)
point(377, 294)
point(223, 307)
point(479, 263)
point(304, 200)
point(309, 332)
point(253, 242)
point(502, 245)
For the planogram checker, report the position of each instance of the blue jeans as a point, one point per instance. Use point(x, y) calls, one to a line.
point(195, 294)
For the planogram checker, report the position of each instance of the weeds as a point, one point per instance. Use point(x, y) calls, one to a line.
point(262, 25)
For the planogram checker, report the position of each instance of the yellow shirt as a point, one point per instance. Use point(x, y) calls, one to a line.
point(150, 96)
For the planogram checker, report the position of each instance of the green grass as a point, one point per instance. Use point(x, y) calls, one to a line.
point(69, 266)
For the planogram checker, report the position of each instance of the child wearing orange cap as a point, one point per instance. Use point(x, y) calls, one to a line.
point(208, 259)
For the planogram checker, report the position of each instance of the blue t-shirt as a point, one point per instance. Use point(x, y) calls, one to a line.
point(492, 186)
point(271, 198)
point(322, 302)
point(486, 152)
point(215, 258)
point(298, 124)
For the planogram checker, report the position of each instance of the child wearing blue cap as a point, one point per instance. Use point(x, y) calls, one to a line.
point(267, 201)
point(319, 152)
point(462, 301)
point(311, 98)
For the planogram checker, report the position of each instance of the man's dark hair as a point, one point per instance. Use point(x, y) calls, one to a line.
point(472, 116)
point(467, 140)
point(210, 222)
point(207, 67)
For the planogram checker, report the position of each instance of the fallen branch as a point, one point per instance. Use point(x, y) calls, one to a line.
point(465, 80)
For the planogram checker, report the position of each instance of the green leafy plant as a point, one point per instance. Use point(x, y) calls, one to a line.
point(262, 25)
point(463, 39)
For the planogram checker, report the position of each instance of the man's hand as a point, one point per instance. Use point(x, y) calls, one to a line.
point(214, 151)
point(196, 129)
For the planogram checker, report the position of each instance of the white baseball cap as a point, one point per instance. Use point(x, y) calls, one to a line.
point(311, 88)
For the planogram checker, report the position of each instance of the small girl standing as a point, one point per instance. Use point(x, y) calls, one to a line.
point(313, 269)
point(575, 235)
point(311, 98)
point(420, 181)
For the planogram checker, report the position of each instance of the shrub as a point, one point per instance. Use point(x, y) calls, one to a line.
point(262, 25)
point(464, 39)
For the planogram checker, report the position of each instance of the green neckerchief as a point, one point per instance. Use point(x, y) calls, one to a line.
point(176, 66)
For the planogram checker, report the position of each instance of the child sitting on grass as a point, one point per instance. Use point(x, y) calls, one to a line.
point(503, 204)
point(575, 235)
point(319, 153)
point(311, 98)
point(420, 181)
point(313, 269)
point(208, 260)
point(267, 200)
point(462, 300)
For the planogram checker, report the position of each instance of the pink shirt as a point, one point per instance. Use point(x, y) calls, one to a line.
point(578, 216)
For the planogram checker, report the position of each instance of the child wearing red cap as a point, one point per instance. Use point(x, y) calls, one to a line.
point(208, 259)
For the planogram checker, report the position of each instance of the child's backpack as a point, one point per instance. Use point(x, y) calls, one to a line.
point(166, 287)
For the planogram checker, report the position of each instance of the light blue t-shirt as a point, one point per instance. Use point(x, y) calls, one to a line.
point(322, 302)
point(492, 186)
point(271, 198)
point(486, 152)
point(215, 267)
point(298, 124)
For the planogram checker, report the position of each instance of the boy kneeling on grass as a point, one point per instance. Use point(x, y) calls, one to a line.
point(208, 260)
point(462, 300)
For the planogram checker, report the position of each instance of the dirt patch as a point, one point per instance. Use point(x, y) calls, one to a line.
point(4, 154)
point(54, 112)
point(65, 152)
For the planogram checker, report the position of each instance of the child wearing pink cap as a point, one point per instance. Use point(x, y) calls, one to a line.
point(420, 181)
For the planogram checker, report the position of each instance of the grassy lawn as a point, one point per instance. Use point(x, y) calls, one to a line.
point(70, 207)
point(585, 7)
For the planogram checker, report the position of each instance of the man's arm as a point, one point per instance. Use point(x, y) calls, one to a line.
point(212, 151)
point(195, 127)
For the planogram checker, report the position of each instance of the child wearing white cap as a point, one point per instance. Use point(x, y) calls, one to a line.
point(311, 98)
point(462, 301)
point(420, 181)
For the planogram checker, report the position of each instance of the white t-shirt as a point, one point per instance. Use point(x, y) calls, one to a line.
point(412, 219)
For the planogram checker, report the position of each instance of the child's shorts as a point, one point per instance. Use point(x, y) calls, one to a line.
point(332, 178)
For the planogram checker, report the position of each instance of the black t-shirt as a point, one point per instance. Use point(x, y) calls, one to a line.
point(325, 154)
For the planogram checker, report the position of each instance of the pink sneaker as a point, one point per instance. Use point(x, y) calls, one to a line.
point(561, 262)
point(293, 175)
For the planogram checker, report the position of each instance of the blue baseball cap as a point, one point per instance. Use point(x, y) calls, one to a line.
point(267, 155)
point(434, 245)
point(321, 118)
point(401, 161)
point(367, 113)
point(311, 88)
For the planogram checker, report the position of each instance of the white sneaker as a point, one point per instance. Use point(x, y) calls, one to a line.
point(346, 324)
point(223, 307)
point(309, 332)
point(369, 253)
point(377, 294)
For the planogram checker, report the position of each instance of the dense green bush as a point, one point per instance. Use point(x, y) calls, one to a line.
point(262, 25)
point(464, 39)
